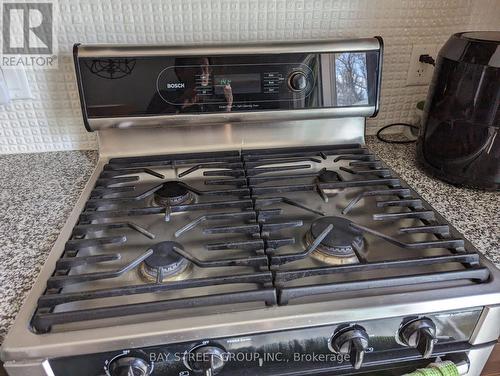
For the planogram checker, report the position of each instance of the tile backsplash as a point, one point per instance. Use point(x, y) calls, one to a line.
point(52, 119)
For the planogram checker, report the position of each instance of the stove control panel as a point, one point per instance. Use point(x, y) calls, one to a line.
point(171, 84)
point(243, 87)
point(340, 348)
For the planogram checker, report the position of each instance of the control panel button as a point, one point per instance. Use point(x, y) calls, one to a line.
point(129, 366)
point(352, 341)
point(419, 333)
point(207, 360)
point(297, 81)
point(271, 90)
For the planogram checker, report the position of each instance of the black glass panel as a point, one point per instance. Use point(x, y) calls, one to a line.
point(114, 87)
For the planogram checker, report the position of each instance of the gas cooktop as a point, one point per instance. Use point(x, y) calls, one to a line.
point(188, 234)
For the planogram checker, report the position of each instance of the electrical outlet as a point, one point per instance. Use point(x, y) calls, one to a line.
point(420, 73)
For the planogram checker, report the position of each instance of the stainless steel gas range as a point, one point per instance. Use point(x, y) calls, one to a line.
point(236, 224)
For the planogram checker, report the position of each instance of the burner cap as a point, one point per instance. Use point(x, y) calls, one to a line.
point(328, 176)
point(172, 193)
point(165, 261)
point(339, 245)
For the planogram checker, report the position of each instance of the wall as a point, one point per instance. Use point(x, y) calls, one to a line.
point(52, 120)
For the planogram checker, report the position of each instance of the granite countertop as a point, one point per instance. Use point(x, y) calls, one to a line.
point(38, 192)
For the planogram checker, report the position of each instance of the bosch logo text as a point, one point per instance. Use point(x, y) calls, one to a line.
point(177, 85)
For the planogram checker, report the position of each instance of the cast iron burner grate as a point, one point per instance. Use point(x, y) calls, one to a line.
point(254, 203)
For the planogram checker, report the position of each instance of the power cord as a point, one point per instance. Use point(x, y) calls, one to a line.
point(395, 141)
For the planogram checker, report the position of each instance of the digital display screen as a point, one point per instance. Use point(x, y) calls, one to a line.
point(238, 83)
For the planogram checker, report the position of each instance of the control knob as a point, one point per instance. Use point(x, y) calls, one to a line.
point(297, 81)
point(129, 366)
point(419, 333)
point(352, 341)
point(208, 360)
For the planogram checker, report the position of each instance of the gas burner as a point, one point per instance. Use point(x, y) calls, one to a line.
point(173, 193)
point(165, 264)
point(328, 176)
point(339, 246)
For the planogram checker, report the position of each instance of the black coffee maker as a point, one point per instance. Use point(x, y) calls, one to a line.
point(459, 141)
